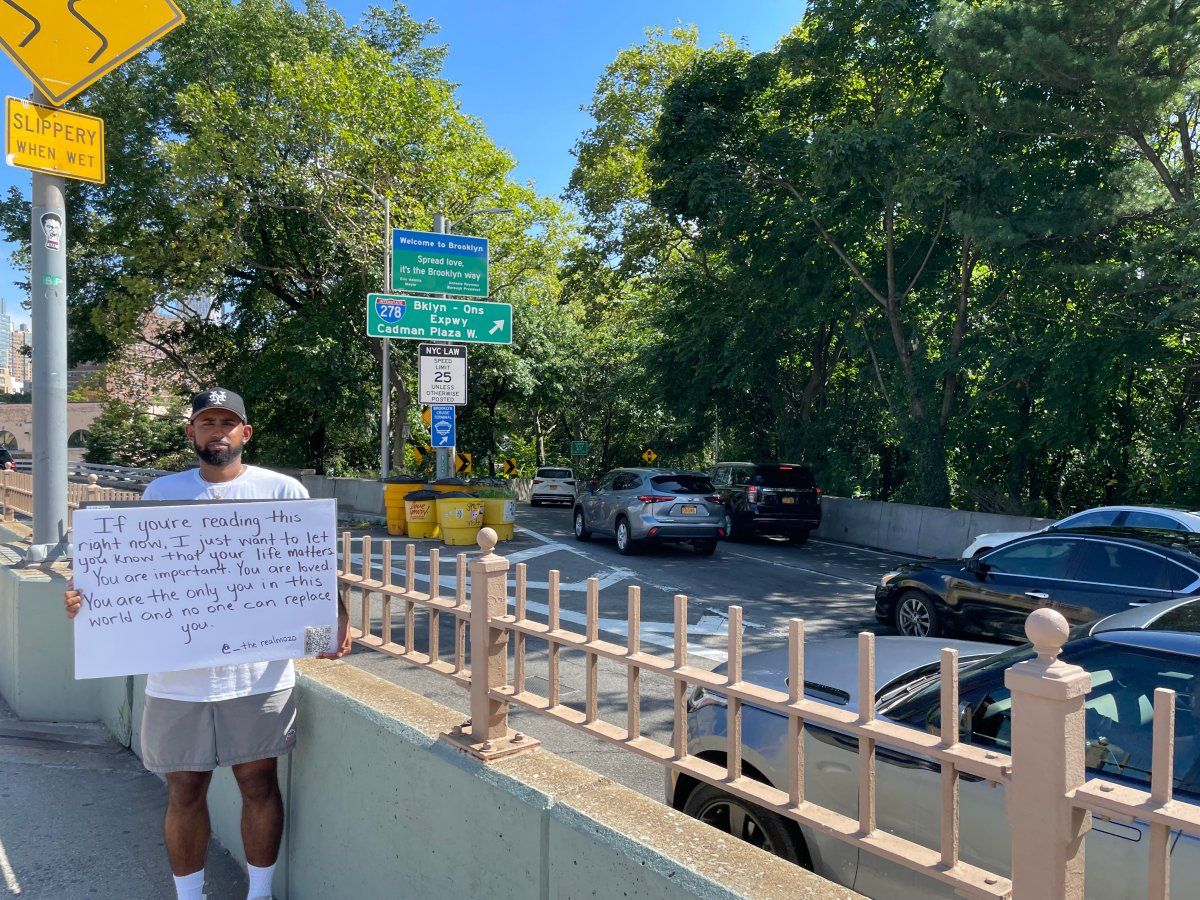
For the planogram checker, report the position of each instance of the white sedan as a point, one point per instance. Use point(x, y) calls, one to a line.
point(1124, 516)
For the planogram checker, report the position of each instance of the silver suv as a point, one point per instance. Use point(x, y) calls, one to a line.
point(639, 505)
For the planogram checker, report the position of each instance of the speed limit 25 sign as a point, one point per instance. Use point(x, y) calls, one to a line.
point(442, 374)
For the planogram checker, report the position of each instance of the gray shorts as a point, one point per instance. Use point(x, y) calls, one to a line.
point(182, 736)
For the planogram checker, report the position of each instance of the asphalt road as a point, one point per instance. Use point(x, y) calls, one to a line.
point(830, 586)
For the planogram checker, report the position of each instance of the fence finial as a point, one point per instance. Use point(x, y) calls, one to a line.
point(486, 539)
point(1047, 630)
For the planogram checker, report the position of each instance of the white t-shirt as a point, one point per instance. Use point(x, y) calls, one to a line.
point(242, 680)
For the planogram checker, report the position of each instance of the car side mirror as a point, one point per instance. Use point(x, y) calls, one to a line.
point(966, 720)
point(977, 566)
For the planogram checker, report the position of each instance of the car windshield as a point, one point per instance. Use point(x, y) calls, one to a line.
point(1118, 711)
point(783, 477)
point(682, 483)
point(554, 473)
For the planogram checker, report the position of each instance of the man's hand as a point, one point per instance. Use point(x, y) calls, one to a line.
point(73, 600)
point(343, 639)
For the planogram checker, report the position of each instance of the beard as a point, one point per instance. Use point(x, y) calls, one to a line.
point(217, 454)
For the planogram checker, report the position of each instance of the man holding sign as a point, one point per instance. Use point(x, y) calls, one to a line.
point(212, 573)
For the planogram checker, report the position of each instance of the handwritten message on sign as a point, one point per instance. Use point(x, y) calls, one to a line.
point(179, 587)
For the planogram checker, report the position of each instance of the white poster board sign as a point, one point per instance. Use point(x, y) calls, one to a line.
point(203, 584)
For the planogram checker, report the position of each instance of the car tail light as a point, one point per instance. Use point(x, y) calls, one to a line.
point(570, 481)
point(752, 494)
point(652, 532)
point(785, 468)
point(818, 490)
point(537, 481)
point(713, 499)
point(656, 498)
point(720, 532)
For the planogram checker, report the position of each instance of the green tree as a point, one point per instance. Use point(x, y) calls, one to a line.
point(246, 201)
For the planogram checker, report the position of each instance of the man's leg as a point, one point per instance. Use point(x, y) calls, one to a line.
point(186, 829)
point(262, 810)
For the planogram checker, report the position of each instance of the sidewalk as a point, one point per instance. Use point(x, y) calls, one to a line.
point(80, 819)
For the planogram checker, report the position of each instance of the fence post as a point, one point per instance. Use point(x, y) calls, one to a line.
point(1048, 744)
point(8, 517)
point(489, 736)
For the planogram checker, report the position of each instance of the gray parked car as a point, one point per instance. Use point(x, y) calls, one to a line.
point(1128, 655)
point(642, 505)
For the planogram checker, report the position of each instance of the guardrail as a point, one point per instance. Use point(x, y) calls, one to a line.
point(1047, 794)
point(16, 494)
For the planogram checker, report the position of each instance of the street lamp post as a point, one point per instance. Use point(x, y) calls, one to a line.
point(385, 405)
point(445, 467)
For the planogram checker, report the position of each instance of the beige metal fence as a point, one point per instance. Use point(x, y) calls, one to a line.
point(16, 494)
point(1049, 799)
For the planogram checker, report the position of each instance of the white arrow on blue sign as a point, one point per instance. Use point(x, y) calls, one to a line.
point(441, 425)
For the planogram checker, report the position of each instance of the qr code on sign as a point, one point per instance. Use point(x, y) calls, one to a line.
point(318, 639)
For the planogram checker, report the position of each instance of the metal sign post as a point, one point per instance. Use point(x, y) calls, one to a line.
point(48, 233)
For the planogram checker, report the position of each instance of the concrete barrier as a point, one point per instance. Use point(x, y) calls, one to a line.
point(365, 496)
point(378, 807)
point(912, 530)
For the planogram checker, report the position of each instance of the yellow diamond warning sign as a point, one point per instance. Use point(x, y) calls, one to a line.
point(53, 141)
point(65, 45)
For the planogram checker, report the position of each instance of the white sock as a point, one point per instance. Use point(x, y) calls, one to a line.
point(190, 887)
point(260, 881)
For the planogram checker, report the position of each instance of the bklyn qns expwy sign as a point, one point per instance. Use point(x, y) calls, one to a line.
point(438, 319)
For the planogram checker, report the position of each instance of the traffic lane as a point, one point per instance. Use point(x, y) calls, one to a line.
point(830, 586)
point(817, 554)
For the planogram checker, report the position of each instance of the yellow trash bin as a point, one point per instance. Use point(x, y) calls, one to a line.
point(499, 514)
point(394, 490)
point(449, 486)
point(460, 516)
point(420, 514)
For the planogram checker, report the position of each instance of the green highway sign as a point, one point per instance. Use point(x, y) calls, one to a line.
point(579, 448)
point(433, 263)
point(438, 319)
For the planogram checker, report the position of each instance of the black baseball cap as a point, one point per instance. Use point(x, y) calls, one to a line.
point(218, 398)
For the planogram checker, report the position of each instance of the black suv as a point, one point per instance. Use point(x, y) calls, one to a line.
point(771, 498)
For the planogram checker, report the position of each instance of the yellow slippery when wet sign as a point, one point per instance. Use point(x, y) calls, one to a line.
point(53, 141)
point(65, 45)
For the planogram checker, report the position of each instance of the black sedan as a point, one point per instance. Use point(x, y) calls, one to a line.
point(1083, 573)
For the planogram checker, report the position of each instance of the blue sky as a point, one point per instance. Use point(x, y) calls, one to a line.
point(524, 67)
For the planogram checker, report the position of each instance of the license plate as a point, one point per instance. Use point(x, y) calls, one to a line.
point(789, 499)
point(689, 510)
point(552, 487)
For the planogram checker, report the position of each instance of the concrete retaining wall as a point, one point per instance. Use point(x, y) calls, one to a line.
point(912, 530)
point(365, 496)
point(380, 808)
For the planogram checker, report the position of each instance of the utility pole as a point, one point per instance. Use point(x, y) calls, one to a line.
point(445, 467)
point(48, 297)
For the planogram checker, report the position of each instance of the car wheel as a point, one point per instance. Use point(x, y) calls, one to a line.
point(625, 542)
point(747, 822)
point(731, 532)
point(916, 616)
point(581, 532)
point(705, 548)
point(799, 536)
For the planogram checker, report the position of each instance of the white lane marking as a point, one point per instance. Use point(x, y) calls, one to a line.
point(660, 634)
point(839, 580)
point(858, 548)
point(10, 877)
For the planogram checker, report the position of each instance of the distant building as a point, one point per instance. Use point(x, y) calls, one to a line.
point(19, 364)
point(130, 376)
